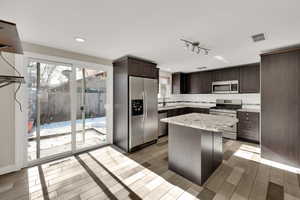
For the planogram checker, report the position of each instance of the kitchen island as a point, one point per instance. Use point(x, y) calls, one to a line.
point(195, 146)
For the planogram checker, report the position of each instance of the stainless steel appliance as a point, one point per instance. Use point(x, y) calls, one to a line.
point(220, 87)
point(143, 114)
point(163, 127)
point(227, 108)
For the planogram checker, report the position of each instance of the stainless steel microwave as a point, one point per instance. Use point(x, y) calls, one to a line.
point(224, 87)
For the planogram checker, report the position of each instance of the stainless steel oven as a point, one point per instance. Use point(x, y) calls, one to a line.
point(231, 131)
point(220, 87)
point(225, 107)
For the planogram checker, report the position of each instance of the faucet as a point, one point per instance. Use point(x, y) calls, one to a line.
point(164, 101)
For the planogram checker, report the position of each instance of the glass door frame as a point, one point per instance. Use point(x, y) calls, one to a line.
point(75, 149)
point(38, 159)
point(73, 106)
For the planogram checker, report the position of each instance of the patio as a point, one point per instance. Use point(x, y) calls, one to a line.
point(56, 137)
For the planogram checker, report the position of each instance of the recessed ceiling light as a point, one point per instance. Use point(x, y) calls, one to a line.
point(221, 59)
point(200, 68)
point(79, 39)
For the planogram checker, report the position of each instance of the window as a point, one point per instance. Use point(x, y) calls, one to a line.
point(164, 86)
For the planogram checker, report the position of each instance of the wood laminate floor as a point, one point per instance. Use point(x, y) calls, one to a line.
point(107, 173)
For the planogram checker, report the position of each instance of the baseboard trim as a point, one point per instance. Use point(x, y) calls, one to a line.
point(9, 169)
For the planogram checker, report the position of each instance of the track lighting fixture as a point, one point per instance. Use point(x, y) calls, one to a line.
point(195, 47)
point(186, 46)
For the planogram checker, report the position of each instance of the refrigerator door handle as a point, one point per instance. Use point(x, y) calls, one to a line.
point(143, 96)
point(146, 104)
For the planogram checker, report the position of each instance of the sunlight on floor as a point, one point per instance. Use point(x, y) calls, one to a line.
point(108, 173)
point(106, 166)
point(253, 153)
point(139, 183)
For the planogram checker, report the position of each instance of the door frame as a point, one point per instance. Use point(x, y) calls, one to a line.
point(74, 110)
point(21, 118)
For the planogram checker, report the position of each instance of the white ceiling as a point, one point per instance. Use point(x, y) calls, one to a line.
point(151, 29)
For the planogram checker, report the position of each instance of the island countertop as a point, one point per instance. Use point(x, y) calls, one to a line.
point(201, 121)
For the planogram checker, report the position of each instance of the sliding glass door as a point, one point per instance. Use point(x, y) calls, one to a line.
point(91, 100)
point(49, 111)
point(53, 89)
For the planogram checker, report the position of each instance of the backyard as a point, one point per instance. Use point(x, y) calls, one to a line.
point(49, 109)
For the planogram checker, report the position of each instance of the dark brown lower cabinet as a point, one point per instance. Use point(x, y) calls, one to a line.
point(199, 110)
point(176, 112)
point(194, 153)
point(248, 126)
point(163, 127)
point(280, 107)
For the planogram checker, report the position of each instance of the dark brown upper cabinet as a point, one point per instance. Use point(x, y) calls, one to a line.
point(199, 82)
point(142, 68)
point(250, 78)
point(178, 83)
point(227, 74)
point(9, 38)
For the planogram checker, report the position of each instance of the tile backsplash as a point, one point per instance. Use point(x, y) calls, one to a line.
point(249, 100)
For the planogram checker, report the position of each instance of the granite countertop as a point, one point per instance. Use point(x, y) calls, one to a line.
point(250, 110)
point(207, 122)
point(183, 106)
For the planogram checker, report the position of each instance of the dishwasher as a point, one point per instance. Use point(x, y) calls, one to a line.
point(163, 127)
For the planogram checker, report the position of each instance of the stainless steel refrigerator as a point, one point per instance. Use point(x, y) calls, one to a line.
point(143, 114)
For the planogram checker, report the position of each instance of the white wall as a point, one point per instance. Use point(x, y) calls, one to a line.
point(29, 47)
point(248, 100)
point(7, 122)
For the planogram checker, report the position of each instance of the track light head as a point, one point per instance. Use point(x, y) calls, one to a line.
point(194, 47)
point(186, 45)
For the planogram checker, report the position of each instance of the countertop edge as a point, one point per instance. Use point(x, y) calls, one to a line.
point(249, 110)
point(169, 121)
point(183, 106)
